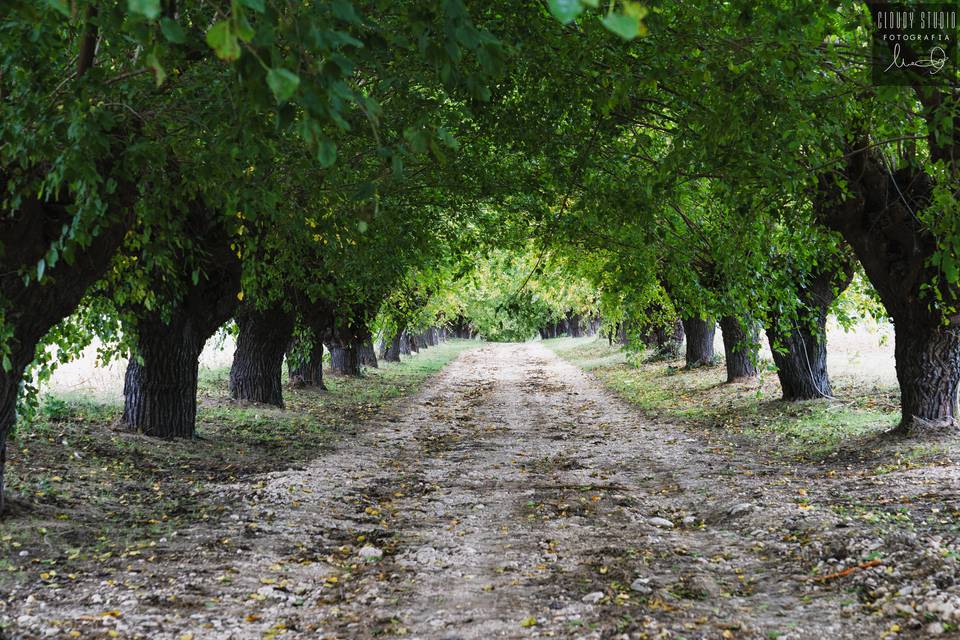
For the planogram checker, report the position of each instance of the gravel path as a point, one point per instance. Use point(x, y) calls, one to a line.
point(514, 498)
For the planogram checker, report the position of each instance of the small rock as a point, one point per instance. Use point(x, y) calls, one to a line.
point(740, 509)
point(663, 523)
point(689, 521)
point(935, 629)
point(642, 586)
point(370, 553)
point(593, 597)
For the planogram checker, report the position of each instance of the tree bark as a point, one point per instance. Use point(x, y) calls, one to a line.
point(306, 369)
point(573, 324)
point(345, 359)
point(739, 348)
point(160, 385)
point(368, 357)
point(928, 371)
point(405, 343)
point(699, 334)
point(261, 344)
point(33, 309)
point(879, 220)
point(392, 352)
point(800, 348)
point(801, 359)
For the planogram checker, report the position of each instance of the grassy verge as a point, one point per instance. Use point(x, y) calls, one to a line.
point(83, 491)
point(851, 425)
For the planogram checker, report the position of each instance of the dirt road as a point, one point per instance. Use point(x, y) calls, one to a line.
point(514, 498)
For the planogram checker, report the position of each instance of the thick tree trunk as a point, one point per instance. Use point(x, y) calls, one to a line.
point(421, 341)
point(345, 359)
point(405, 343)
point(801, 359)
point(739, 348)
point(878, 217)
point(392, 352)
point(573, 324)
point(160, 386)
point(699, 334)
point(8, 416)
point(431, 337)
point(305, 369)
point(258, 361)
point(928, 371)
point(33, 309)
point(368, 357)
point(160, 393)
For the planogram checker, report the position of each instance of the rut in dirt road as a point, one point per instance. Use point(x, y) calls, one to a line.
point(515, 498)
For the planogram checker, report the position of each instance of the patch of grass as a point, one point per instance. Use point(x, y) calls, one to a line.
point(751, 412)
point(84, 491)
point(588, 353)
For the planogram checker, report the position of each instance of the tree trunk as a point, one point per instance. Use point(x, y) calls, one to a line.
point(801, 359)
point(878, 217)
point(261, 344)
point(160, 393)
point(8, 417)
point(573, 324)
point(305, 363)
point(368, 357)
point(160, 385)
point(412, 343)
point(928, 370)
point(404, 343)
point(739, 348)
point(392, 352)
point(421, 340)
point(432, 337)
point(699, 334)
point(32, 309)
point(345, 359)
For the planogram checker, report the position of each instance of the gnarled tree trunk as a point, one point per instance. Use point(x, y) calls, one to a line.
point(368, 357)
point(405, 343)
point(739, 348)
point(801, 358)
point(160, 386)
point(305, 369)
point(33, 309)
point(800, 348)
point(699, 334)
point(257, 363)
point(345, 358)
point(392, 351)
point(879, 220)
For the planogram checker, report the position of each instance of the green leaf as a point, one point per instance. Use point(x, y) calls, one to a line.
point(61, 6)
point(158, 71)
point(627, 27)
point(566, 11)
point(7, 365)
point(172, 31)
point(256, 5)
point(41, 267)
point(223, 41)
point(283, 83)
point(345, 11)
point(147, 8)
point(326, 153)
point(362, 226)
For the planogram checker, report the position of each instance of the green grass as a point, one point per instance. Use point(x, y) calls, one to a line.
point(811, 430)
point(82, 488)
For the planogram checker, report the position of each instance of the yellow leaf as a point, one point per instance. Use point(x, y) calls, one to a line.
point(252, 617)
point(528, 622)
